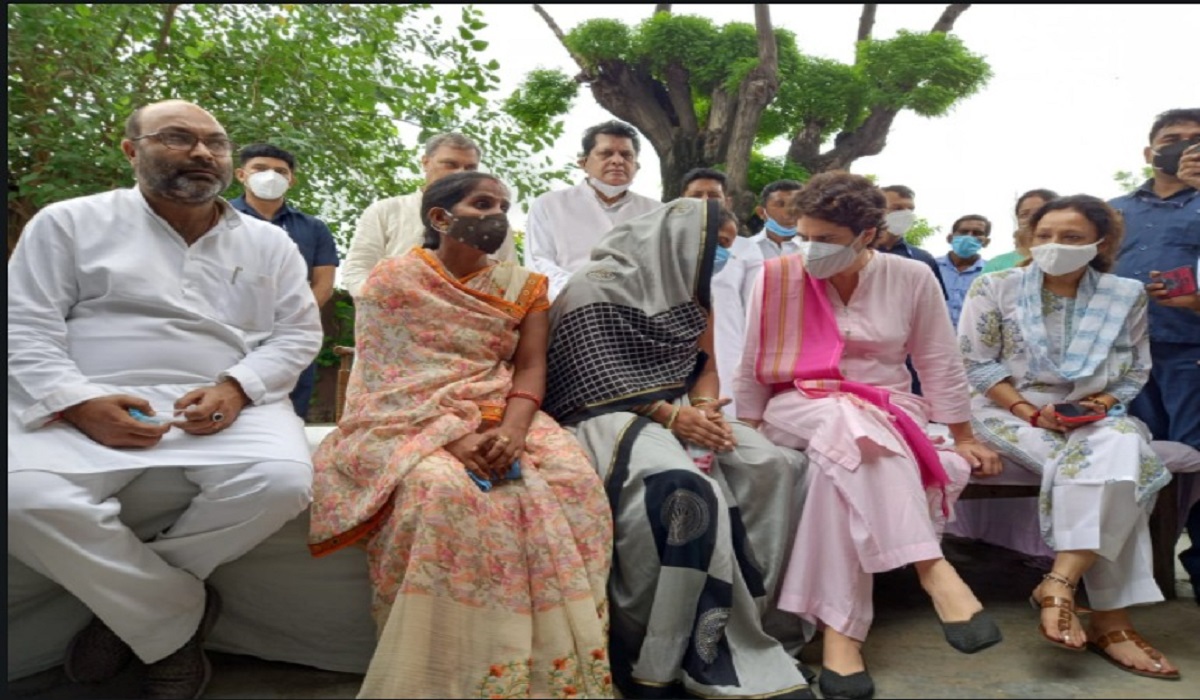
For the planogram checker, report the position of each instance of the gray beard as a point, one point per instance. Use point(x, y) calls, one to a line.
point(183, 189)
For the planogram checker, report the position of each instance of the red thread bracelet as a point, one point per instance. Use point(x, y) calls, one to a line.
point(537, 400)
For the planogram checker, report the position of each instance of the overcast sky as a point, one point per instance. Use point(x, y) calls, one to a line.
point(1074, 91)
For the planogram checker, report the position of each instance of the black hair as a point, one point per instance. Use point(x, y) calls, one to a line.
point(987, 225)
point(842, 198)
point(444, 194)
point(266, 150)
point(1042, 194)
point(1171, 117)
point(779, 186)
point(901, 190)
point(725, 216)
point(610, 128)
point(705, 174)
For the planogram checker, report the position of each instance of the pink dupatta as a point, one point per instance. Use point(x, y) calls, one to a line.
point(800, 347)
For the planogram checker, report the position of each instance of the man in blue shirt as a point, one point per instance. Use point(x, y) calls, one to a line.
point(901, 201)
point(267, 172)
point(969, 235)
point(1162, 232)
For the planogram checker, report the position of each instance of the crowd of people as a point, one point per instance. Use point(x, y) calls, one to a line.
point(658, 458)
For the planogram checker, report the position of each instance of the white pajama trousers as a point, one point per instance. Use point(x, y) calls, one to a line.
point(151, 594)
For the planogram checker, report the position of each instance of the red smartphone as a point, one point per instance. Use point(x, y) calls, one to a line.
point(1074, 414)
point(1179, 282)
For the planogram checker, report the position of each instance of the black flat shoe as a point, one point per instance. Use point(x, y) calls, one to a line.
point(856, 686)
point(976, 634)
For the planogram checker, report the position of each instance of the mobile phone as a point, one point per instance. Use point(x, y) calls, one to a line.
point(156, 419)
point(1074, 414)
point(485, 485)
point(1179, 282)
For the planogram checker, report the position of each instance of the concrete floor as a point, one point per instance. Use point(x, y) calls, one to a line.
point(906, 652)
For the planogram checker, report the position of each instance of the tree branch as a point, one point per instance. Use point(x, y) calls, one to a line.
point(164, 33)
point(679, 91)
point(866, 21)
point(662, 7)
point(562, 39)
point(949, 16)
point(754, 94)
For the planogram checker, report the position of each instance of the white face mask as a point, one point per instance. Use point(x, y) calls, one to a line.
point(606, 189)
point(900, 221)
point(267, 184)
point(824, 260)
point(1060, 259)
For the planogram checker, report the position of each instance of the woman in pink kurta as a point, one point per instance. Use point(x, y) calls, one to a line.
point(823, 370)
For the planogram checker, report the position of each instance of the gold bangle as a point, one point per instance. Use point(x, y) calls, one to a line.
point(674, 415)
point(701, 400)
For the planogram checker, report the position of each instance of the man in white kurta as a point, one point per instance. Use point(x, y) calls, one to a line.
point(565, 225)
point(778, 235)
point(393, 226)
point(164, 299)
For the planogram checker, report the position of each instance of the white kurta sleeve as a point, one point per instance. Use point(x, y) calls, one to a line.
point(540, 249)
point(269, 372)
point(42, 290)
point(367, 248)
point(750, 395)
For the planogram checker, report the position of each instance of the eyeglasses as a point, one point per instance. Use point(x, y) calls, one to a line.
point(185, 141)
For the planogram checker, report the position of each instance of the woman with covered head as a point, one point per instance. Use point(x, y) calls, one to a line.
point(486, 528)
point(704, 509)
point(1062, 330)
point(827, 334)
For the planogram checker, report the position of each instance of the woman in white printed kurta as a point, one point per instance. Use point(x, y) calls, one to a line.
point(1060, 330)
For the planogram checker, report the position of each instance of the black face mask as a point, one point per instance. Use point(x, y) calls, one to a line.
point(485, 233)
point(1167, 158)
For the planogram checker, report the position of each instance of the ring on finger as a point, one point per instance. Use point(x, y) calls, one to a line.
point(217, 417)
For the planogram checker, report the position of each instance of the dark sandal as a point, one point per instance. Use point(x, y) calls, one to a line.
point(1066, 611)
point(1128, 635)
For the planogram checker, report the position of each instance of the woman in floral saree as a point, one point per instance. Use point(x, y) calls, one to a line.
point(485, 583)
point(1062, 330)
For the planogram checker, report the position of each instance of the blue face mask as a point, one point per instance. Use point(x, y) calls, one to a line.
point(722, 258)
point(966, 246)
point(774, 227)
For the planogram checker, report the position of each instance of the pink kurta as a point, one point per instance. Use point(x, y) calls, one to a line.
point(867, 510)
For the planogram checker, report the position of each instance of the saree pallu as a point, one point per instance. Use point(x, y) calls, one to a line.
point(697, 555)
point(496, 594)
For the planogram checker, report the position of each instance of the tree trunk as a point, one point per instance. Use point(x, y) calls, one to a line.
point(757, 91)
point(20, 211)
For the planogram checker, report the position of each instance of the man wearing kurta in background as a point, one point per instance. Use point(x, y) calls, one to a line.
point(393, 226)
point(154, 327)
point(565, 225)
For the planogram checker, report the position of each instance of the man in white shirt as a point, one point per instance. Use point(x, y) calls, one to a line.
point(728, 285)
point(148, 328)
point(563, 226)
point(393, 226)
point(778, 235)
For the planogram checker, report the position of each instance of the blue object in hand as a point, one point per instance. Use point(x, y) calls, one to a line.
point(137, 415)
point(485, 485)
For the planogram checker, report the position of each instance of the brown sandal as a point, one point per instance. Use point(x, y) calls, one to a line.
point(1066, 611)
point(1128, 635)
